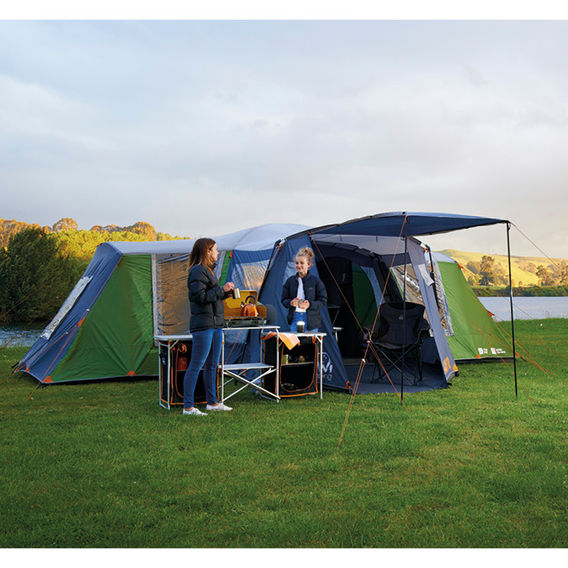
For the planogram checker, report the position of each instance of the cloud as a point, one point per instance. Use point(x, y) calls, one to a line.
point(215, 126)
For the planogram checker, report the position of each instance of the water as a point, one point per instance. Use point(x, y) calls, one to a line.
point(527, 307)
point(15, 336)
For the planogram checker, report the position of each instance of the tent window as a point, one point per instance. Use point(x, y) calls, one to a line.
point(413, 293)
point(249, 276)
point(442, 301)
point(169, 288)
point(66, 307)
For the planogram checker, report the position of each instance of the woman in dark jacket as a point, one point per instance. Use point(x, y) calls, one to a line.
point(206, 322)
point(304, 294)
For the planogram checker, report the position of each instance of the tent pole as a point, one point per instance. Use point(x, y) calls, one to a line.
point(511, 303)
point(403, 317)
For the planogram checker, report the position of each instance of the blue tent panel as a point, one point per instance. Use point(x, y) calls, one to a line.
point(46, 352)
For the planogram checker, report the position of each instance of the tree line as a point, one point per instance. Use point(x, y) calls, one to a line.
point(39, 266)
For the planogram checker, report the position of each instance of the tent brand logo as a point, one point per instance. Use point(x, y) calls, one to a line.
point(494, 351)
point(327, 367)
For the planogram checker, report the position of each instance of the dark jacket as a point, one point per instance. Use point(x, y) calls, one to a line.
point(205, 299)
point(315, 293)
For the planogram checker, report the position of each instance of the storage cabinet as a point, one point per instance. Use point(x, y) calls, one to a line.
point(174, 359)
point(298, 367)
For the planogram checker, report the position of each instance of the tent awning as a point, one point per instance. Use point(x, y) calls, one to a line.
point(403, 223)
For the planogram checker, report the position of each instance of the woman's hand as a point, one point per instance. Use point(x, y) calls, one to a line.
point(228, 287)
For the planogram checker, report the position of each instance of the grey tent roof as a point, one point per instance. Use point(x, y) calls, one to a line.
point(261, 237)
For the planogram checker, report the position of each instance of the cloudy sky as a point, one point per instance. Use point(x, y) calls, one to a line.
point(207, 127)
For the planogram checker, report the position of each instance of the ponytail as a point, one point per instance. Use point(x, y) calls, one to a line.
point(308, 253)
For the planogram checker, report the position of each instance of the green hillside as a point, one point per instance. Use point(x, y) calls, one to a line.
point(525, 270)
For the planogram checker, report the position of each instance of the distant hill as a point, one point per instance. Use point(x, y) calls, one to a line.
point(524, 269)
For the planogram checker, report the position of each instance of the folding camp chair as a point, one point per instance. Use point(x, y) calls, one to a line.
point(401, 331)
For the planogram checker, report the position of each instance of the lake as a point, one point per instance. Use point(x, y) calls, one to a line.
point(527, 307)
point(15, 336)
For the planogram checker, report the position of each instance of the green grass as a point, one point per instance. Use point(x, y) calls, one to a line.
point(103, 465)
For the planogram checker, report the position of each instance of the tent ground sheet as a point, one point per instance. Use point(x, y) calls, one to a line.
point(371, 382)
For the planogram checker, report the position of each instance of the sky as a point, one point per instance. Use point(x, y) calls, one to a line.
point(205, 127)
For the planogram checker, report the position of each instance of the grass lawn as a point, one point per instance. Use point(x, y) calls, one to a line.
point(103, 465)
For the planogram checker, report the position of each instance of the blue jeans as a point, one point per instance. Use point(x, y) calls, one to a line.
point(300, 316)
point(205, 351)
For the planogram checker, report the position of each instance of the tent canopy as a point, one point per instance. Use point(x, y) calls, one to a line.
point(404, 224)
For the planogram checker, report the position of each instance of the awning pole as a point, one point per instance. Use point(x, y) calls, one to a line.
point(512, 314)
point(403, 317)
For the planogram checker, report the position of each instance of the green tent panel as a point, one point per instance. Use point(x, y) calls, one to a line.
point(475, 334)
point(365, 301)
point(116, 337)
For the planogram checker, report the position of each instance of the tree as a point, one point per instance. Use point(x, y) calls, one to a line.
point(544, 277)
point(65, 224)
point(35, 277)
point(9, 227)
point(487, 271)
point(563, 276)
point(144, 229)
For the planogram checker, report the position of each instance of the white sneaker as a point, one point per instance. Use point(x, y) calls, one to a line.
point(219, 406)
point(195, 411)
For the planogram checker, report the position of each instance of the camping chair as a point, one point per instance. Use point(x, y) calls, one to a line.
point(400, 333)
